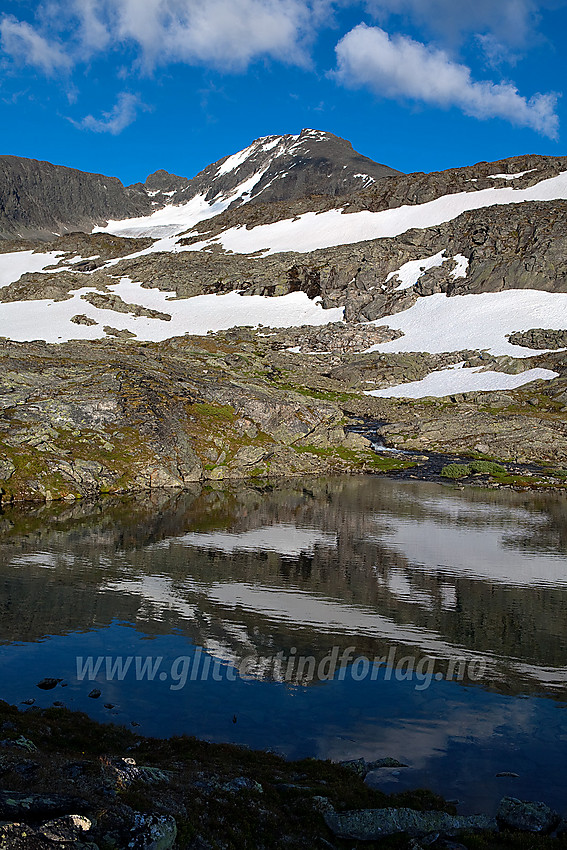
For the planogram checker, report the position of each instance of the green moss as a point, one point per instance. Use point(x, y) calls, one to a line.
point(456, 470)
point(488, 467)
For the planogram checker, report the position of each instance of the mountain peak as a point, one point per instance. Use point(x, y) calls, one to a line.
point(271, 168)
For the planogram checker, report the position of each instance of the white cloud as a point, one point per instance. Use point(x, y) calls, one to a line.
point(122, 114)
point(228, 34)
point(20, 41)
point(399, 67)
point(225, 33)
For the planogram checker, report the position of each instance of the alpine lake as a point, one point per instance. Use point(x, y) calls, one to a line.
point(338, 618)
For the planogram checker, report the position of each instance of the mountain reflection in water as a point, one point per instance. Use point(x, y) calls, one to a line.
point(300, 567)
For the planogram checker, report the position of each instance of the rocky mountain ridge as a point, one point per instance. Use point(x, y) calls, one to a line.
point(39, 200)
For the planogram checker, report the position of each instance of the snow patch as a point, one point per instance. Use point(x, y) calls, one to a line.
point(461, 268)
point(234, 161)
point(450, 381)
point(16, 263)
point(511, 176)
point(79, 259)
point(410, 272)
point(439, 324)
point(50, 320)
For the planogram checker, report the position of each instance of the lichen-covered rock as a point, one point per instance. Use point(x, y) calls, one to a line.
point(120, 773)
point(20, 836)
point(7, 468)
point(82, 319)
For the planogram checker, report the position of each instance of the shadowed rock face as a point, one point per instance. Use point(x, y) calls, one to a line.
point(41, 200)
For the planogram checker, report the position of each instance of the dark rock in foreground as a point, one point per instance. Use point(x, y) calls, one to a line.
point(16, 806)
point(373, 824)
point(526, 816)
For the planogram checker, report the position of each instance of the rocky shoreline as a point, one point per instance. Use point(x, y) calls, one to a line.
point(84, 419)
point(69, 781)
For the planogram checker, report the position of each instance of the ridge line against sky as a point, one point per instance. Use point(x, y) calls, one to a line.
point(129, 86)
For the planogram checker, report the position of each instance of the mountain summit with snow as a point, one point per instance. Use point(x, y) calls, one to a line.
point(41, 200)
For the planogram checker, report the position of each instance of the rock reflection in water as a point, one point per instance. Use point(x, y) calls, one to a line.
point(245, 571)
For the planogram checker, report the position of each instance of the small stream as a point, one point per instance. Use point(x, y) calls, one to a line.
point(428, 464)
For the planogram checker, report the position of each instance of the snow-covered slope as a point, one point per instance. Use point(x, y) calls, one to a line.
point(52, 321)
point(402, 278)
point(453, 380)
point(16, 263)
point(312, 231)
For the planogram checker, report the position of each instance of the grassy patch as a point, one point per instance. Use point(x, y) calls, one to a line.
point(223, 412)
point(479, 467)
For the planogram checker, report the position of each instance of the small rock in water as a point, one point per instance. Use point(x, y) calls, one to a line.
point(509, 773)
point(526, 816)
point(109, 705)
point(361, 767)
point(385, 762)
point(95, 693)
point(27, 701)
point(48, 684)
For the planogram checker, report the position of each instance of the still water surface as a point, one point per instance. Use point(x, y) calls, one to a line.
point(421, 574)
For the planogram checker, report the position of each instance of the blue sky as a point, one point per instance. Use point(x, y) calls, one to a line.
point(128, 86)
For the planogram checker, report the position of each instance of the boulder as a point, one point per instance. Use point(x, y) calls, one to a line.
point(526, 816)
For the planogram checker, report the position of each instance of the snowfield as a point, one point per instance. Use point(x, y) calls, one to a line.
point(177, 218)
point(462, 380)
point(440, 324)
point(50, 320)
